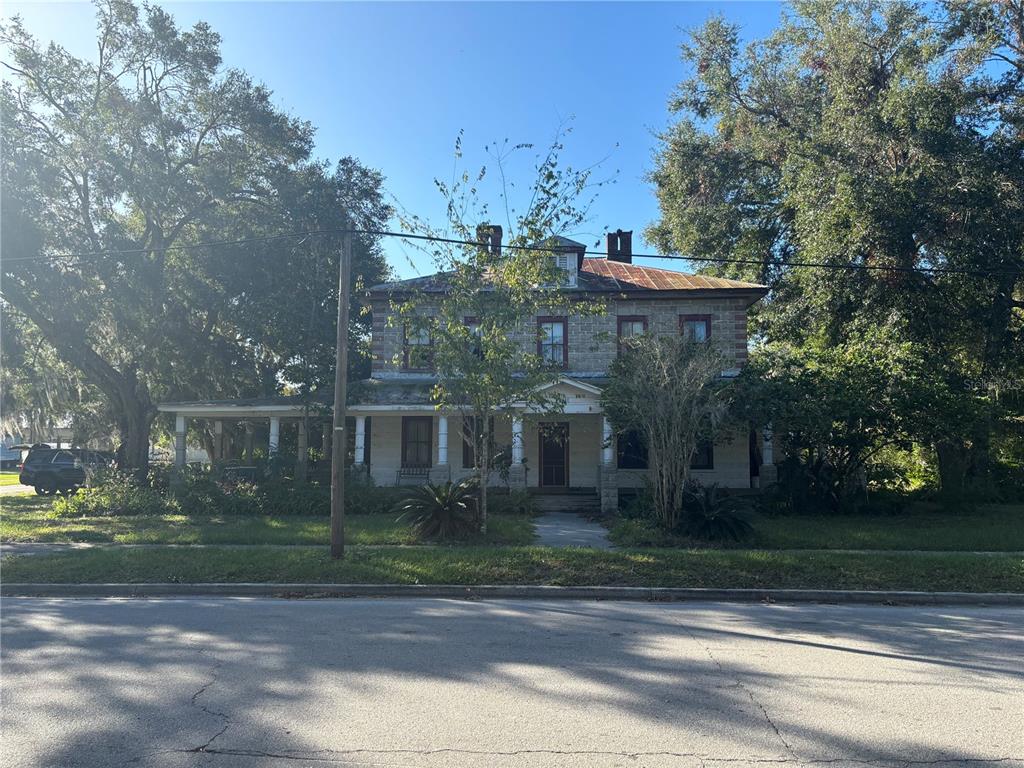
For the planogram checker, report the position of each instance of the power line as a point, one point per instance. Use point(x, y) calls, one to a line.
point(90, 255)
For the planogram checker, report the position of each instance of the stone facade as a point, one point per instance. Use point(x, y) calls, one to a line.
point(592, 337)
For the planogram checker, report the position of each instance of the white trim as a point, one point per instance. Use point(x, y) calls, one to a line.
point(426, 409)
point(233, 411)
point(590, 388)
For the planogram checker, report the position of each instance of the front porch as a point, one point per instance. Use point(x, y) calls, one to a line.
point(397, 437)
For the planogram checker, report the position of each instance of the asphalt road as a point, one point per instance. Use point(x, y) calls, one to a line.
point(236, 682)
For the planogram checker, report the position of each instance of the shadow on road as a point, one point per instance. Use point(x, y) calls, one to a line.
point(107, 682)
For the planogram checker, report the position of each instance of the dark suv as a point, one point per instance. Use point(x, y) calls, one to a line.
point(53, 470)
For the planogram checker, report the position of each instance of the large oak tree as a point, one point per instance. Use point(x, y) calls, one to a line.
point(133, 161)
point(873, 133)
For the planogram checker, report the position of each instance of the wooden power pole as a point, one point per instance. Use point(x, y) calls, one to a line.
point(339, 444)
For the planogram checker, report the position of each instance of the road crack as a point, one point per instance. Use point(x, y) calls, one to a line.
point(750, 694)
point(194, 701)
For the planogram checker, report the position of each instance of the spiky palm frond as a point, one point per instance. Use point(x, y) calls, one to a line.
point(442, 512)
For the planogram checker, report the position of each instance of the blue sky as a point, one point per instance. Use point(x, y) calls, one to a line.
point(393, 83)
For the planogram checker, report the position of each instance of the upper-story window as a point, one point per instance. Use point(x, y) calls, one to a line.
point(416, 349)
point(473, 325)
point(695, 327)
point(631, 326)
point(553, 340)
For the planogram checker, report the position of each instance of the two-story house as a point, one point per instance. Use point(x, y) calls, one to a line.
point(401, 437)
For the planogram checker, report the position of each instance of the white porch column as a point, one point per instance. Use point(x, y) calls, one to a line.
point(442, 439)
point(275, 435)
point(517, 472)
point(302, 452)
point(607, 443)
point(179, 441)
point(767, 473)
point(360, 440)
point(218, 441)
point(517, 440)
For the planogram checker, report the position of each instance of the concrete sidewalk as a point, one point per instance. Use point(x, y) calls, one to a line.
point(568, 529)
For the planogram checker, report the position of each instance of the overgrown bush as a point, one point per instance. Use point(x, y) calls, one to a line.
point(364, 497)
point(195, 491)
point(518, 502)
point(442, 512)
point(639, 506)
point(113, 493)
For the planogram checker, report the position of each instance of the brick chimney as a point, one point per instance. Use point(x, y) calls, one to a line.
point(620, 246)
point(491, 235)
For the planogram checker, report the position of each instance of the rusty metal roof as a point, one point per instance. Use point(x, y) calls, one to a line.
point(605, 275)
point(598, 275)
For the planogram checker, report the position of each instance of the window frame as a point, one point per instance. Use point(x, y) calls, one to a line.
point(407, 347)
point(472, 323)
point(543, 319)
point(406, 422)
point(621, 319)
point(706, 319)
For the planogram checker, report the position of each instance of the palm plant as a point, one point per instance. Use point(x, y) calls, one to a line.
point(442, 512)
point(711, 515)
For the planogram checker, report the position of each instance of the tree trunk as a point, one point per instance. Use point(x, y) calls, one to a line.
point(952, 459)
point(485, 467)
point(134, 421)
point(127, 396)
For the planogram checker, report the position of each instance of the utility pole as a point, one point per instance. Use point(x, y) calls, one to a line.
point(340, 381)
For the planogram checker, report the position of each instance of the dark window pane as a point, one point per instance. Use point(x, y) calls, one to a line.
point(416, 441)
point(704, 458)
point(632, 451)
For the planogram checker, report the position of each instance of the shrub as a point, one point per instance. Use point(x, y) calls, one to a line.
point(113, 493)
point(639, 506)
point(711, 515)
point(285, 499)
point(518, 502)
point(195, 491)
point(364, 497)
point(441, 511)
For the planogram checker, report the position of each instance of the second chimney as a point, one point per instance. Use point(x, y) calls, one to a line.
point(620, 246)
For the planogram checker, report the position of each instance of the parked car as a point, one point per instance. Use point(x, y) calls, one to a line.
point(60, 470)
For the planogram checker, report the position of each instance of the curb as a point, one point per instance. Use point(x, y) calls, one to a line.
point(527, 592)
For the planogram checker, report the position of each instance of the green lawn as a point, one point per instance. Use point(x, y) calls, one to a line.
point(8, 477)
point(992, 527)
point(529, 565)
point(30, 519)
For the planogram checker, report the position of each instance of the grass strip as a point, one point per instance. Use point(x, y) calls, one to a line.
point(530, 565)
point(30, 519)
point(991, 527)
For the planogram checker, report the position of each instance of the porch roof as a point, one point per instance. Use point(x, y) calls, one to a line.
point(367, 395)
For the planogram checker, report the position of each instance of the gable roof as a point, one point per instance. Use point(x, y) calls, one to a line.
point(599, 275)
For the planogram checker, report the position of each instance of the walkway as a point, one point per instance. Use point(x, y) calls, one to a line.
point(567, 529)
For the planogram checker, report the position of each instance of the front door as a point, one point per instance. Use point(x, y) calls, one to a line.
point(554, 454)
